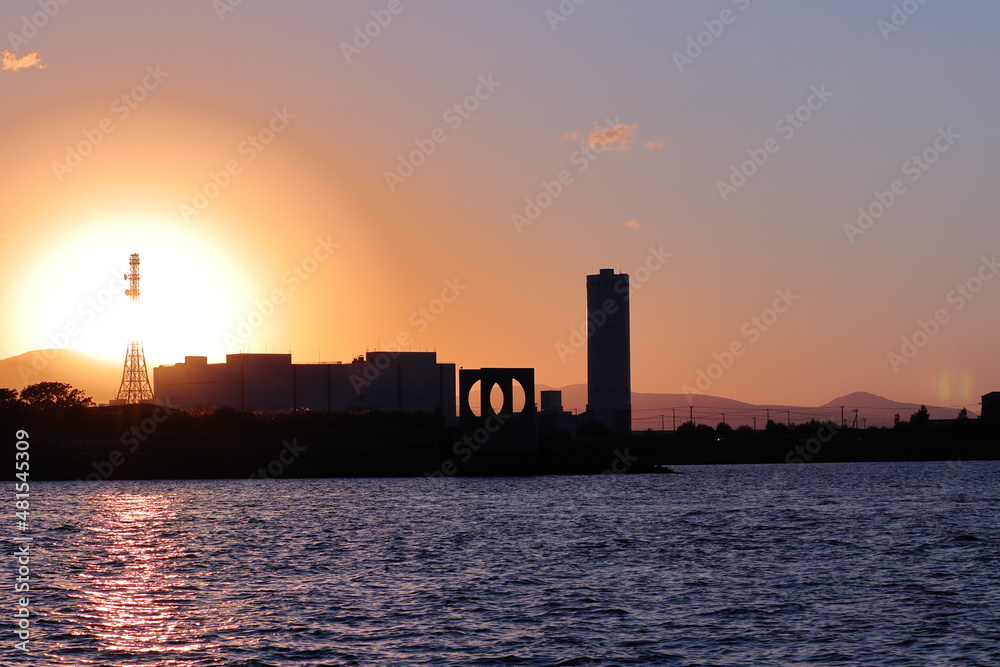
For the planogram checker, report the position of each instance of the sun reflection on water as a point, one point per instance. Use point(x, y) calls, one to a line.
point(136, 598)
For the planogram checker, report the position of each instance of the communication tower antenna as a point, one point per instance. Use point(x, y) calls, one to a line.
point(135, 380)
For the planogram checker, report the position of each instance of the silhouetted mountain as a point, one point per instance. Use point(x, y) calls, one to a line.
point(868, 400)
point(98, 378)
point(864, 400)
point(647, 409)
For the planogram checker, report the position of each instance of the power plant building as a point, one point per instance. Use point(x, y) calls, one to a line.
point(385, 381)
point(396, 381)
point(609, 371)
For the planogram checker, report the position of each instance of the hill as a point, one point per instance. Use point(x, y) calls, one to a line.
point(653, 410)
point(98, 378)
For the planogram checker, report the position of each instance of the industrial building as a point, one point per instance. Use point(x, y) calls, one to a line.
point(609, 371)
point(387, 381)
point(395, 381)
point(991, 407)
point(552, 416)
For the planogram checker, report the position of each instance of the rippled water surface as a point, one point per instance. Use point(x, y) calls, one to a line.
point(851, 564)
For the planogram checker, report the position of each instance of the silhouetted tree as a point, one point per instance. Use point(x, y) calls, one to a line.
point(963, 414)
point(704, 429)
point(722, 428)
point(921, 417)
point(686, 428)
point(54, 395)
point(774, 427)
point(9, 399)
point(745, 429)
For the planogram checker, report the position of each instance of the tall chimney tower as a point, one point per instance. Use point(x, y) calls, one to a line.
point(609, 366)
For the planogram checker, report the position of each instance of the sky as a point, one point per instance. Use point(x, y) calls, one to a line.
point(803, 193)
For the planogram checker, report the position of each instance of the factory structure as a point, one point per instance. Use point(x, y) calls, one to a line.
point(386, 381)
point(400, 381)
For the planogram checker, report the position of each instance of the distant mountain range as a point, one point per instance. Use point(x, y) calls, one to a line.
point(99, 378)
point(656, 410)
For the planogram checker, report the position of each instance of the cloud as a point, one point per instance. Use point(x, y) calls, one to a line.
point(11, 62)
point(654, 145)
point(617, 137)
point(613, 136)
point(633, 224)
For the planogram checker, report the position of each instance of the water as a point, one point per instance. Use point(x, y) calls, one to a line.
point(853, 564)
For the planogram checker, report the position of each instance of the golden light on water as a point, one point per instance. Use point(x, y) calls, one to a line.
point(135, 600)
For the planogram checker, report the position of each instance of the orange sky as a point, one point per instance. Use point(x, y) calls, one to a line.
point(245, 157)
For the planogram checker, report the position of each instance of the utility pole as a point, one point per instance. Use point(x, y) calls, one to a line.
point(755, 422)
point(661, 424)
point(673, 416)
point(691, 414)
point(788, 417)
point(843, 423)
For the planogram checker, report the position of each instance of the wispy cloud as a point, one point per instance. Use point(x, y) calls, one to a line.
point(654, 145)
point(11, 62)
point(633, 224)
point(617, 137)
point(613, 136)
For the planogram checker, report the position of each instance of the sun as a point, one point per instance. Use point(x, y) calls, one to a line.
point(191, 290)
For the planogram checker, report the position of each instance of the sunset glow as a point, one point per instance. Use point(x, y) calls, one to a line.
point(191, 291)
point(480, 332)
point(277, 154)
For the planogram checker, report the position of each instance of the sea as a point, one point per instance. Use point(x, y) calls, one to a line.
point(810, 564)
